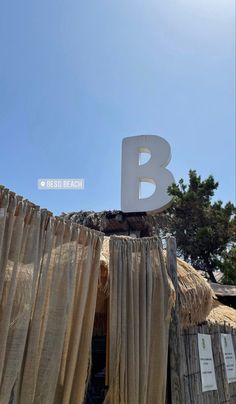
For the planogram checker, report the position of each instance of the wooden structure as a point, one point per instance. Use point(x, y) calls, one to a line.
point(38, 294)
point(184, 370)
point(175, 374)
point(225, 293)
point(184, 377)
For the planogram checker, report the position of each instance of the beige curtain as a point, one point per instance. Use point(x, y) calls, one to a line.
point(141, 298)
point(49, 273)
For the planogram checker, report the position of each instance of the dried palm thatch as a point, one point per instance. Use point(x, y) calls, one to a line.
point(102, 294)
point(222, 314)
point(194, 293)
point(104, 267)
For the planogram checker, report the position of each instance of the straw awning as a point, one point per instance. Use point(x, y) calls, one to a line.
point(222, 314)
point(194, 293)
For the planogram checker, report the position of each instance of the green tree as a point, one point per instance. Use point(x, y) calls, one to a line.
point(228, 267)
point(203, 228)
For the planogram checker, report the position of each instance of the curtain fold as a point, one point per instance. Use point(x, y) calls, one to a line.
point(49, 273)
point(141, 298)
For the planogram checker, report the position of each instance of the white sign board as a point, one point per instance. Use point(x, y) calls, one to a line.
point(229, 357)
point(152, 171)
point(206, 363)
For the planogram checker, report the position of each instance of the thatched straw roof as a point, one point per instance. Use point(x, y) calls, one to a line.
point(103, 292)
point(221, 314)
point(195, 294)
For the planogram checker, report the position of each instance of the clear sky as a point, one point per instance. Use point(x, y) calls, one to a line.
point(78, 76)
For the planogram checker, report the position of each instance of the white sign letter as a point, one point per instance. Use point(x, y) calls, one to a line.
point(154, 171)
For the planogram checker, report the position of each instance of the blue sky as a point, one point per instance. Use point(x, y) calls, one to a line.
point(78, 76)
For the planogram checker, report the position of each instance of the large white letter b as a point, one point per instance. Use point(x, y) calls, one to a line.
point(154, 171)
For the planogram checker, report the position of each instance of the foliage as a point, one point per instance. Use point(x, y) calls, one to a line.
point(203, 228)
point(228, 267)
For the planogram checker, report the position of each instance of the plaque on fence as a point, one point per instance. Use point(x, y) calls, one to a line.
point(229, 357)
point(206, 363)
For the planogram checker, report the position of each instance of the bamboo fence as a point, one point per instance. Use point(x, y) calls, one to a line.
point(184, 375)
point(190, 364)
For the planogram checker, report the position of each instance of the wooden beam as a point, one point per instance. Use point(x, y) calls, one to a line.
point(176, 369)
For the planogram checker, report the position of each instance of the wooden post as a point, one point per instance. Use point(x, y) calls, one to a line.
point(107, 344)
point(176, 370)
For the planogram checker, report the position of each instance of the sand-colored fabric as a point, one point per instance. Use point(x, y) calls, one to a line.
point(141, 299)
point(195, 295)
point(49, 272)
point(222, 314)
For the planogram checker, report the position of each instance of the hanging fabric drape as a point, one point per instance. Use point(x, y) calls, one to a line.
point(141, 298)
point(49, 273)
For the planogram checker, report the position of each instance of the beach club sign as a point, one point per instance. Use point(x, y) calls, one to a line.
point(154, 171)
